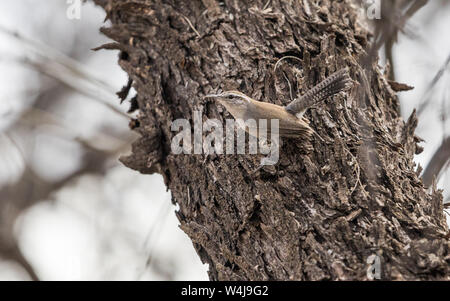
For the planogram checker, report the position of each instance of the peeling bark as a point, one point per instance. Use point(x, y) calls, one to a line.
point(320, 212)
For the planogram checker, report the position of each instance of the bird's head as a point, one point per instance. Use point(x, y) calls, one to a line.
point(231, 98)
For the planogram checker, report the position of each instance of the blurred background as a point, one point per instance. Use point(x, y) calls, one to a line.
point(70, 211)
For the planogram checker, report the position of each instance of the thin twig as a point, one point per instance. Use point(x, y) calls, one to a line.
point(53, 54)
point(285, 57)
point(426, 98)
point(358, 172)
point(192, 26)
point(57, 65)
point(152, 235)
point(437, 162)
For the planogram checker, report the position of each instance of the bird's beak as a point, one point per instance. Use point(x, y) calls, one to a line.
point(215, 97)
point(212, 95)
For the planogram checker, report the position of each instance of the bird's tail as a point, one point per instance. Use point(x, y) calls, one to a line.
point(333, 84)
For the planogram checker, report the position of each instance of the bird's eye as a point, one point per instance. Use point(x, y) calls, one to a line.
point(230, 97)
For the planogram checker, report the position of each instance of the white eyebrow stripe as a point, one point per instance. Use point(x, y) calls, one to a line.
point(237, 94)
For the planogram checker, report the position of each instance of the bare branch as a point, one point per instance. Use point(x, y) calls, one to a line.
point(437, 162)
point(66, 70)
point(426, 98)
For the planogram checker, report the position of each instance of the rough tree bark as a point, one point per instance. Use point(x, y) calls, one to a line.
point(329, 203)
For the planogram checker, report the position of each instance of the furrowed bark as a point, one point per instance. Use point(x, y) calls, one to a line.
point(329, 203)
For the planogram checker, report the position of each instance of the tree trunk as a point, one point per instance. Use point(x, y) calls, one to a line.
point(330, 204)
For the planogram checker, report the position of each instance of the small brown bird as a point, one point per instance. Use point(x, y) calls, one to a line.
point(290, 117)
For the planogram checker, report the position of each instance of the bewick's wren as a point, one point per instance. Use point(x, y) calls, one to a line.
point(290, 117)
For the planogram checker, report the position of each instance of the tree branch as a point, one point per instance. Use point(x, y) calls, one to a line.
point(437, 162)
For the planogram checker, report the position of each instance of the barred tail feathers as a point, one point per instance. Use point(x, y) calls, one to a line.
point(333, 84)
